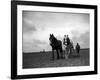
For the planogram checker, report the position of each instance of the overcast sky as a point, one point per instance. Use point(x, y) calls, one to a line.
point(37, 27)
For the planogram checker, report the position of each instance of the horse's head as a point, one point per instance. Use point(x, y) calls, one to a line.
point(52, 39)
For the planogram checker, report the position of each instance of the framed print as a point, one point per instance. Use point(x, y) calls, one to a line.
point(53, 39)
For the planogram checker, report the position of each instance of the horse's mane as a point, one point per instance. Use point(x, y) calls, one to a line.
point(54, 38)
point(55, 43)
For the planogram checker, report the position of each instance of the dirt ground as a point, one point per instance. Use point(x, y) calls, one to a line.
point(43, 60)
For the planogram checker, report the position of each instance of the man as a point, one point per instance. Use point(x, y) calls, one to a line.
point(66, 41)
point(78, 48)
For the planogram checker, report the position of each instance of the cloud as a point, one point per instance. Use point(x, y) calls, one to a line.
point(34, 45)
point(85, 40)
point(39, 42)
point(82, 39)
point(38, 25)
point(28, 26)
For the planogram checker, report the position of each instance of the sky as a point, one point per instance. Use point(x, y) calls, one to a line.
point(37, 27)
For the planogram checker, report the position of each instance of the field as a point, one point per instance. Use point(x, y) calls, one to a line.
point(43, 60)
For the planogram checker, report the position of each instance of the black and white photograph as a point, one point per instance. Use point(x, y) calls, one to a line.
point(53, 39)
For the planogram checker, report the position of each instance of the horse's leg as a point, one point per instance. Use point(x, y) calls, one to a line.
point(52, 54)
point(69, 51)
point(66, 54)
point(72, 50)
point(61, 52)
point(57, 53)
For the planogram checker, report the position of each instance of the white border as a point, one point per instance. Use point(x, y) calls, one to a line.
point(21, 71)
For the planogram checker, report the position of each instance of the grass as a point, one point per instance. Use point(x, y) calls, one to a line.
point(43, 60)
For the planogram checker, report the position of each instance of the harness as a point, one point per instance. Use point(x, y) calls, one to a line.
point(66, 41)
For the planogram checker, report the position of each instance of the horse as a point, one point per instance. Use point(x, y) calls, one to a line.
point(78, 49)
point(68, 49)
point(56, 45)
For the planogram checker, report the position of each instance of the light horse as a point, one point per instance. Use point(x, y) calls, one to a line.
point(68, 49)
point(56, 45)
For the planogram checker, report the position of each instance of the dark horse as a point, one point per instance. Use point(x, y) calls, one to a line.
point(56, 45)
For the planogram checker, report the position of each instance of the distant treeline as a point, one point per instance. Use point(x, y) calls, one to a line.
point(50, 51)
